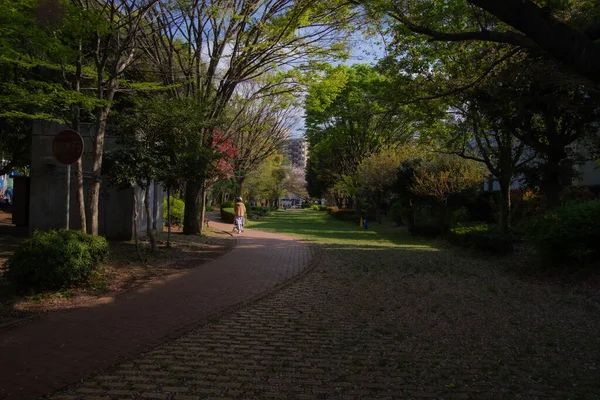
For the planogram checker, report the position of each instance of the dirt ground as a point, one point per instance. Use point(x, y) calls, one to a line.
point(122, 272)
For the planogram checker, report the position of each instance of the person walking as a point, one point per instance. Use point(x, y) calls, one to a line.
point(239, 212)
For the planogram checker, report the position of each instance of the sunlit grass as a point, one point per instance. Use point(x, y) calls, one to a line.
point(318, 226)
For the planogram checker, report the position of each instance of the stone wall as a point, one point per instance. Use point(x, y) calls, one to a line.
point(47, 205)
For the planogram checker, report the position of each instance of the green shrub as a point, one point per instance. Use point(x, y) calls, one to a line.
point(323, 208)
point(347, 214)
point(228, 204)
point(209, 208)
point(227, 215)
point(306, 205)
point(55, 259)
point(315, 207)
point(482, 237)
point(256, 212)
point(570, 233)
point(177, 211)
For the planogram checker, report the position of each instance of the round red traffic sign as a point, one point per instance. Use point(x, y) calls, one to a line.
point(67, 146)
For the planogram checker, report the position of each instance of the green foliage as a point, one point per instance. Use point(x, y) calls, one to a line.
point(177, 210)
point(567, 234)
point(56, 259)
point(306, 205)
point(209, 208)
point(353, 121)
point(482, 237)
point(315, 207)
point(227, 215)
point(255, 212)
point(227, 204)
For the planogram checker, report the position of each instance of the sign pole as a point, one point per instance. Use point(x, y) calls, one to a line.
point(68, 196)
point(67, 148)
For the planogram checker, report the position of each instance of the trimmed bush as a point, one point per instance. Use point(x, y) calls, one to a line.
point(570, 233)
point(332, 209)
point(255, 212)
point(56, 259)
point(323, 208)
point(482, 237)
point(209, 208)
point(315, 207)
point(306, 205)
point(177, 211)
point(227, 215)
point(228, 204)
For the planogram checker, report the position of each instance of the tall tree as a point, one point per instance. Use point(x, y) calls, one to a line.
point(212, 46)
point(565, 30)
point(348, 113)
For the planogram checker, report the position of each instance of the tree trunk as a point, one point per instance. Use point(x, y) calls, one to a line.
point(203, 209)
point(240, 183)
point(79, 165)
point(102, 117)
point(191, 216)
point(135, 232)
point(80, 195)
point(149, 218)
point(551, 178)
point(168, 216)
point(504, 206)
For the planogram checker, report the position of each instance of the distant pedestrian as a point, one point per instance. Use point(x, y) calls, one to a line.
point(239, 212)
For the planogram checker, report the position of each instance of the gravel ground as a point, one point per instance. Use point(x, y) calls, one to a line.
point(377, 319)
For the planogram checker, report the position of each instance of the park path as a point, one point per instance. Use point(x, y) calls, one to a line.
point(46, 354)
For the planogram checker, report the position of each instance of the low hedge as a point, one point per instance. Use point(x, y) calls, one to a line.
point(228, 204)
point(227, 215)
point(56, 259)
point(482, 237)
point(568, 234)
point(177, 211)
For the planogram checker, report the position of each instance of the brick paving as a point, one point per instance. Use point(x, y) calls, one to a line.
point(371, 322)
point(46, 354)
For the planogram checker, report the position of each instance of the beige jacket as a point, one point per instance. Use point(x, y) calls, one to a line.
point(240, 209)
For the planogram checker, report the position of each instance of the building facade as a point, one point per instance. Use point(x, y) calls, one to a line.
point(297, 152)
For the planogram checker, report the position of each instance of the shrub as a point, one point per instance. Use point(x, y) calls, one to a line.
point(227, 215)
point(332, 209)
point(306, 205)
point(568, 233)
point(256, 212)
point(55, 259)
point(228, 204)
point(177, 211)
point(315, 207)
point(209, 208)
point(482, 237)
point(323, 208)
point(346, 214)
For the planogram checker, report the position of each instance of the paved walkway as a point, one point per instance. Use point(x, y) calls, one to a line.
point(375, 322)
point(46, 354)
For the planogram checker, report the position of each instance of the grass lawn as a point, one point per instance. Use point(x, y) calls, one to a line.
point(319, 227)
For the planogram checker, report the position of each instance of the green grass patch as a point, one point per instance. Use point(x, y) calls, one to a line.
point(320, 227)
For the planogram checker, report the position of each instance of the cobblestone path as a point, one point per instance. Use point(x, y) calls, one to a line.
point(389, 322)
point(44, 355)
